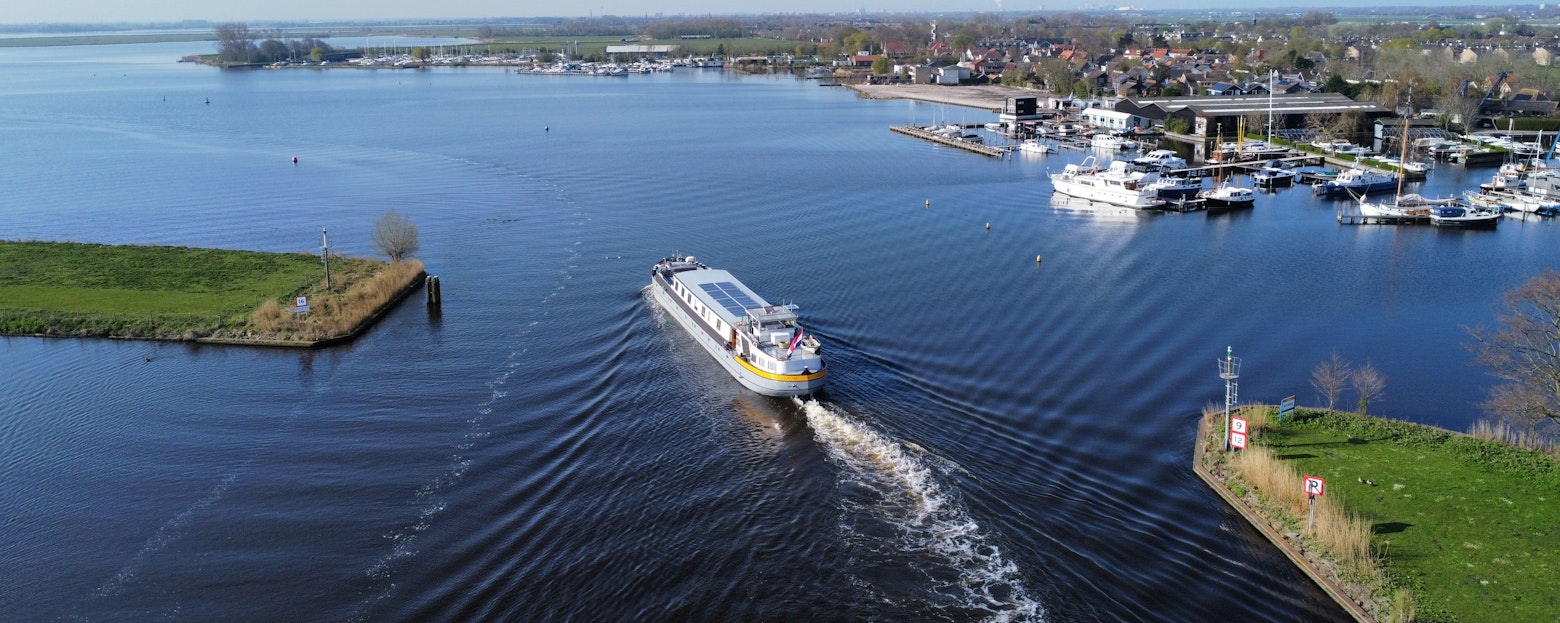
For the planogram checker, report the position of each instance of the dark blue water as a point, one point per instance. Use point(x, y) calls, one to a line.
point(1000, 440)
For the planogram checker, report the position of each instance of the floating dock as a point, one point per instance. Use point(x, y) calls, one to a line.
point(979, 148)
point(1350, 215)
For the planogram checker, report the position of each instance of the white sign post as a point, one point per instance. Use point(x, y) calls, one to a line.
point(1238, 433)
point(302, 306)
point(1314, 486)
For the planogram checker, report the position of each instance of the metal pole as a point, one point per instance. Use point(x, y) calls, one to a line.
point(325, 254)
point(1312, 520)
point(1229, 353)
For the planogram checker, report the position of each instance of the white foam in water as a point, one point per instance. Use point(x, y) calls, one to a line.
point(928, 520)
point(165, 535)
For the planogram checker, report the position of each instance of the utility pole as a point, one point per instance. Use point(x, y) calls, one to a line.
point(325, 254)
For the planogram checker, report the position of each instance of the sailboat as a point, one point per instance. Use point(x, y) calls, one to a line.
point(1227, 196)
point(1442, 212)
point(1396, 209)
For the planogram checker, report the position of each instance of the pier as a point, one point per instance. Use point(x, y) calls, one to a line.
point(1352, 216)
point(979, 148)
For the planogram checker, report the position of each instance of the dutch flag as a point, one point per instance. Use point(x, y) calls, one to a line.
point(794, 341)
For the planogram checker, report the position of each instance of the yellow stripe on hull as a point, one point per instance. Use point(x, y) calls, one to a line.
point(787, 378)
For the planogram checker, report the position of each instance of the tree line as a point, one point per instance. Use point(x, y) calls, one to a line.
point(236, 43)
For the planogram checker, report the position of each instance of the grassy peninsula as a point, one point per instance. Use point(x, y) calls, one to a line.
point(1417, 523)
point(68, 289)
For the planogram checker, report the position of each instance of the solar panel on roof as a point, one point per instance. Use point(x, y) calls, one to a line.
point(725, 298)
point(737, 294)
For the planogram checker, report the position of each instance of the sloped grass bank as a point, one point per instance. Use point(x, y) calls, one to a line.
point(67, 289)
point(1470, 528)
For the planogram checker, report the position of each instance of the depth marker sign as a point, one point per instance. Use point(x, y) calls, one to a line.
point(1314, 486)
point(1238, 433)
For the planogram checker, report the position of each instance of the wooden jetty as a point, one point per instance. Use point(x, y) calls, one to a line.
point(1350, 215)
point(1183, 205)
point(1215, 169)
point(979, 148)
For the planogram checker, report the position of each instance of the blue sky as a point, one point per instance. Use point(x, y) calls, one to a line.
point(108, 11)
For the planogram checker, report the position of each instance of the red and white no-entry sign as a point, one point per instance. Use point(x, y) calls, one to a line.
point(1314, 486)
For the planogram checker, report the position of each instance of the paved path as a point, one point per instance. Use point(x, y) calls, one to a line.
point(984, 96)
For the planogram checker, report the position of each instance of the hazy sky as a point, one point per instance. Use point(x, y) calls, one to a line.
point(107, 11)
point(93, 11)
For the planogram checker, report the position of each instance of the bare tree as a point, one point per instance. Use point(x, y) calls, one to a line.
point(1329, 378)
point(1525, 352)
point(1369, 384)
point(394, 235)
point(236, 43)
point(1320, 123)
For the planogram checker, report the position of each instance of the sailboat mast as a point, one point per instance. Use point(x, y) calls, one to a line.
point(1271, 74)
point(1402, 156)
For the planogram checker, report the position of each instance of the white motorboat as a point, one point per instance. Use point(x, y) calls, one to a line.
point(1228, 197)
point(1163, 159)
point(1118, 184)
point(1106, 142)
point(1035, 146)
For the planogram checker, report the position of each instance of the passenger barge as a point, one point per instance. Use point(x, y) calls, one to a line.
point(763, 346)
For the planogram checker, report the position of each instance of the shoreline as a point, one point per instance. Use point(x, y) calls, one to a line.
point(1323, 580)
point(193, 294)
point(357, 330)
point(989, 97)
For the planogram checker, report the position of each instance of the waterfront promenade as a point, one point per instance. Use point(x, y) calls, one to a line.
point(985, 96)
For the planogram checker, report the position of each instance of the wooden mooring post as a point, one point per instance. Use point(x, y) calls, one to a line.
point(432, 285)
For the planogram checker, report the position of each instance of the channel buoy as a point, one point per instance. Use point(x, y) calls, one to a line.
point(928, 203)
point(988, 226)
point(295, 160)
point(1037, 260)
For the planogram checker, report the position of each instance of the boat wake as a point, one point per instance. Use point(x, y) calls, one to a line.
point(430, 497)
point(931, 532)
point(165, 535)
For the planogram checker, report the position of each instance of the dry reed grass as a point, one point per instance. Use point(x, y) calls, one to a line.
point(268, 316)
point(334, 314)
point(1502, 432)
point(1344, 538)
point(1348, 538)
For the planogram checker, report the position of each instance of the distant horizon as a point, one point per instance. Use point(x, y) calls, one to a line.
point(141, 12)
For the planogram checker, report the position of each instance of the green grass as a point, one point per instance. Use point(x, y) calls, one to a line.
point(1471, 526)
point(60, 288)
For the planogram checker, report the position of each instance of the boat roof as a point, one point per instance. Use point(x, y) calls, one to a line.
point(729, 299)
